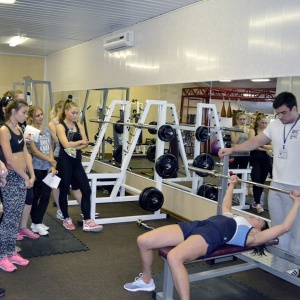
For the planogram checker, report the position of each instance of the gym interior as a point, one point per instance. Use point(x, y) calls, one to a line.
point(154, 107)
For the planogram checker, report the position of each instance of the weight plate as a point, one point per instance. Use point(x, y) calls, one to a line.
point(117, 154)
point(204, 161)
point(119, 128)
point(150, 130)
point(166, 166)
point(151, 199)
point(202, 134)
point(151, 153)
point(166, 133)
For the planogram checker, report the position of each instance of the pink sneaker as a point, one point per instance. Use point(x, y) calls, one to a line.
point(90, 225)
point(18, 260)
point(6, 265)
point(67, 223)
point(19, 237)
point(27, 233)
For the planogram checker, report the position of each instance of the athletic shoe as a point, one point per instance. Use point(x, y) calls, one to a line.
point(67, 223)
point(6, 265)
point(19, 237)
point(18, 260)
point(253, 204)
point(2, 292)
point(259, 209)
point(59, 215)
point(44, 226)
point(38, 228)
point(294, 272)
point(91, 226)
point(140, 285)
point(27, 233)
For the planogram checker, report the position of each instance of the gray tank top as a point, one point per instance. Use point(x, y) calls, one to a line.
point(56, 145)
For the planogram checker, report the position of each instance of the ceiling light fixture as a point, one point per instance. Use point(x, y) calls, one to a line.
point(7, 1)
point(261, 80)
point(17, 40)
point(225, 80)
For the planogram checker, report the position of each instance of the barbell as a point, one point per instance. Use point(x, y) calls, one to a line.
point(166, 132)
point(214, 173)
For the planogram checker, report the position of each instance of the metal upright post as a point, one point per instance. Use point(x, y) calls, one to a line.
point(223, 183)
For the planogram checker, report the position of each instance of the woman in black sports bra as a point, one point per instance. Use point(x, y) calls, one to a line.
point(20, 177)
point(72, 137)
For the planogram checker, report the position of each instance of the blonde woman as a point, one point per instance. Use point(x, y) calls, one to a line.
point(239, 160)
point(43, 163)
point(70, 166)
point(259, 160)
point(54, 114)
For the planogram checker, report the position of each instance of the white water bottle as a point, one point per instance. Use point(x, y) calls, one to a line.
point(70, 134)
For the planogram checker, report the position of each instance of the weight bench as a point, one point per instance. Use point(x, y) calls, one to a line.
point(224, 253)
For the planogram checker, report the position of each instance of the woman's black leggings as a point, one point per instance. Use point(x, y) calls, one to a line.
point(259, 173)
point(70, 169)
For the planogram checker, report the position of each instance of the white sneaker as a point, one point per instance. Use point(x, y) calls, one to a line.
point(44, 226)
point(38, 228)
point(294, 272)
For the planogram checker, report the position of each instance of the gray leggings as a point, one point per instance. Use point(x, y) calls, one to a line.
point(279, 205)
point(13, 199)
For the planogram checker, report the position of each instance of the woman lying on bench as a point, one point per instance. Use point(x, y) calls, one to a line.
point(200, 238)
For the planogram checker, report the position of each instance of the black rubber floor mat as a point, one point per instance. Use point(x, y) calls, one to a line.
point(59, 241)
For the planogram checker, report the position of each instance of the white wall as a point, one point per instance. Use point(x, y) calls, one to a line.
point(210, 40)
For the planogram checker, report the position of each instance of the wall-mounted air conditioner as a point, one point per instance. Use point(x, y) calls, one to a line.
point(119, 42)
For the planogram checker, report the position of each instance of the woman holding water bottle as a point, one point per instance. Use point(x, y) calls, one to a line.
point(72, 138)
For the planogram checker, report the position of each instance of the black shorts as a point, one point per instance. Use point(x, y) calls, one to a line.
point(206, 229)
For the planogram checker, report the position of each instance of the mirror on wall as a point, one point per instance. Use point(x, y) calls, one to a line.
point(240, 94)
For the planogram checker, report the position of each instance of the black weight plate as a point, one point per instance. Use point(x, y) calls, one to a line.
point(119, 128)
point(211, 192)
point(202, 133)
point(166, 166)
point(204, 161)
point(151, 199)
point(151, 153)
point(166, 133)
point(117, 154)
point(150, 130)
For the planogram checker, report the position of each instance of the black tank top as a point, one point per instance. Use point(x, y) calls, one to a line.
point(76, 137)
point(16, 140)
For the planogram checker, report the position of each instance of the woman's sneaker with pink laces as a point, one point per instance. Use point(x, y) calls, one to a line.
point(6, 265)
point(90, 225)
point(67, 223)
point(18, 260)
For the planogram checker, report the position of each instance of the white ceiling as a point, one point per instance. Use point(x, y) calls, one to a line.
point(54, 25)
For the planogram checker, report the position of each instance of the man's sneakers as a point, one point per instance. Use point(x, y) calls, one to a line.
point(90, 225)
point(294, 272)
point(139, 285)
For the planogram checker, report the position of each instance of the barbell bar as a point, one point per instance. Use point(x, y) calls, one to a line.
point(214, 173)
point(150, 126)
